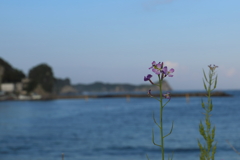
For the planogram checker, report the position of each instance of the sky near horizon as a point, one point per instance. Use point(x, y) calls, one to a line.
point(115, 41)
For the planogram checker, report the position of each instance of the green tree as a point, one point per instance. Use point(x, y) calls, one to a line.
point(41, 75)
point(10, 74)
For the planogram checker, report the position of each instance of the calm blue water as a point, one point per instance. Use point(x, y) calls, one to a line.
point(112, 129)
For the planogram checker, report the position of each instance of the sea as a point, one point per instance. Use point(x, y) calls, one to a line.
point(115, 128)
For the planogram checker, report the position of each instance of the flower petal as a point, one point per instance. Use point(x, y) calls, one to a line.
point(156, 71)
point(149, 76)
point(171, 70)
point(165, 71)
point(159, 65)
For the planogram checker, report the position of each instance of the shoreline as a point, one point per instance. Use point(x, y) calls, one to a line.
point(199, 94)
point(56, 97)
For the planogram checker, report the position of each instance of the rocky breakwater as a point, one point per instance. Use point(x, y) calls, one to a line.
point(194, 94)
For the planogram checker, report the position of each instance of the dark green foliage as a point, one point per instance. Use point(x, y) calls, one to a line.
point(106, 87)
point(98, 86)
point(59, 83)
point(41, 75)
point(10, 74)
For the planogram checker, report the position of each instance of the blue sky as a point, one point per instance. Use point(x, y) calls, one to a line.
point(116, 41)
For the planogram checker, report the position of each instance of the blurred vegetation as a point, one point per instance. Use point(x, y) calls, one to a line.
point(41, 74)
point(60, 83)
point(117, 87)
point(10, 74)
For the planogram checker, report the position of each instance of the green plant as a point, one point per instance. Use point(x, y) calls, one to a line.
point(161, 72)
point(208, 150)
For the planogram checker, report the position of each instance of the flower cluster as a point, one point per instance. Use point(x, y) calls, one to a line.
point(212, 68)
point(162, 71)
point(158, 69)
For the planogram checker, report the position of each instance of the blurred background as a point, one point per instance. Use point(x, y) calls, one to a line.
point(58, 50)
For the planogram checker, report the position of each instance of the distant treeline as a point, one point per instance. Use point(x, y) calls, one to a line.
point(117, 87)
point(10, 74)
point(42, 76)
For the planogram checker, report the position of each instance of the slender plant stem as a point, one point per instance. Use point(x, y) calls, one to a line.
point(161, 119)
point(207, 151)
point(208, 111)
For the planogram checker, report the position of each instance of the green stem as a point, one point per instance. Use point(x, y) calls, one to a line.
point(207, 151)
point(161, 119)
point(208, 110)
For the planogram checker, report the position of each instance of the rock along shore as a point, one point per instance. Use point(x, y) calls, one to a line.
point(54, 97)
point(215, 94)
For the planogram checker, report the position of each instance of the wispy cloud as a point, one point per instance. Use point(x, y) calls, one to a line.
point(150, 4)
point(230, 72)
point(171, 64)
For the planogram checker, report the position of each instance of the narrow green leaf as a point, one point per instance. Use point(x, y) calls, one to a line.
point(213, 132)
point(153, 139)
point(214, 151)
point(205, 76)
point(210, 106)
point(202, 131)
point(215, 84)
point(204, 85)
point(156, 121)
point(147, 157)
point(169, 132)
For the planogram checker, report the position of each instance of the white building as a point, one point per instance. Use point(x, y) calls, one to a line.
point(8, 87)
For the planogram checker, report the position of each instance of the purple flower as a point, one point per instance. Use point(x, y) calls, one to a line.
point(148, 78)
point(212, 67)
point(149, 93)
point(156, 68)
point(168, 73)
point(153, 64)
point(167, 95)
